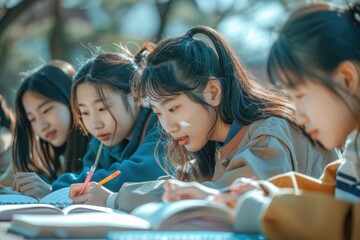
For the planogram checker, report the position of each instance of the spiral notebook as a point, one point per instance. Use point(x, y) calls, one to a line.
point(59, 198)
point(182, 235)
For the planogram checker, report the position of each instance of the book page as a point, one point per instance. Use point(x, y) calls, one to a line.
point(80, 225)
point(59, 198)
point(7, 211)
point(8, 190)
point(83, 208)
point(180, 215)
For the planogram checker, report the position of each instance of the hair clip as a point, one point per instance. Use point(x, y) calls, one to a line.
point(355, 9)
point(145, 102)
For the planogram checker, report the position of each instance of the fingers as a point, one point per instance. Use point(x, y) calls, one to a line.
point(34, 189)
point(94, 195)
point(75, 190)
point(20, 182)
point(228, 199)
point(173, 184)
point(181, 193)
point(23, 178)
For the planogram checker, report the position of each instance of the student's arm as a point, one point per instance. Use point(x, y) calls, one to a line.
point(66, 179)
point(309, 215)
point(299, 181)
point(141, 166)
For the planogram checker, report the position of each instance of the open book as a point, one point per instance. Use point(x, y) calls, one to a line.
point(181, 215)
point(59, 198)
point(7, 211)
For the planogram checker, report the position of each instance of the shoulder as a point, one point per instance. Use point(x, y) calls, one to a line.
point(273, 126)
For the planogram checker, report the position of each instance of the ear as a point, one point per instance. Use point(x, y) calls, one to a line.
point(347, 76)
point(212, 92)
point(133, 107)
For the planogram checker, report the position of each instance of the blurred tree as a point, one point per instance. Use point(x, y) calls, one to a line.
point(35, 31)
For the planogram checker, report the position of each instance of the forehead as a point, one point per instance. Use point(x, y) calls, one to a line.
point(163, 101)
point(33, 99)
point(87, 93)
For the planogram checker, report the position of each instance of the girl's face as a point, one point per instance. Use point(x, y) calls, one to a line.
point(97, 118)
point(49, 119)
point(187, 122)
point(325, 116)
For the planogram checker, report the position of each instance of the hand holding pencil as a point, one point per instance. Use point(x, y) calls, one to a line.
point(95, 194)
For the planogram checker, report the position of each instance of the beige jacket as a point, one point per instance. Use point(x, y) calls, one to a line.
point(263, 149)
point(317, 208)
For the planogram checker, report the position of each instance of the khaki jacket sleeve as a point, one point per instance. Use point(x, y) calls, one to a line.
point(134, 194)
point(299, 181)
point(308, 215)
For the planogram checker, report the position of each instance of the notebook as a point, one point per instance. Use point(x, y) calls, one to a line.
point(59, 198)
point(7, 211)
point(185, 215)
point(181, 235)
point(181, 215)
point(78, 225)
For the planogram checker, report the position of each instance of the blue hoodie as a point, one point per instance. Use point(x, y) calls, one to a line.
point(135, 160)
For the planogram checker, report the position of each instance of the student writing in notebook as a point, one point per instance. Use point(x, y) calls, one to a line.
point(104, 108)
point(205, 100)
point(317, 59)
point(46, 143)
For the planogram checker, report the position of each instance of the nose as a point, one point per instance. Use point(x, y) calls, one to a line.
point(169, 126)
point(96, 122)
point(42, 124)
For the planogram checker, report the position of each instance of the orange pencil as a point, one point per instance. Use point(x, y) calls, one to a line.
point(110, 177)
point(91, 171)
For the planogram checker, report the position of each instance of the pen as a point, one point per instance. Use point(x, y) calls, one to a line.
point(91, 171)
point(110, 177)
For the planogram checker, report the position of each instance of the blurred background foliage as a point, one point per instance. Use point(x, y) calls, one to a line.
point(35, 31)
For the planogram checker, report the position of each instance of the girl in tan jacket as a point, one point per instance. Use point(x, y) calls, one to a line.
point(317, 59)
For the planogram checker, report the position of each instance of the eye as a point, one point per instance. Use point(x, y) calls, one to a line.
point(157, 113)
point(83, 113)
point(105, 108)
point(31, 120)
point(48, 109)
point(299, 95)
point(173, 109)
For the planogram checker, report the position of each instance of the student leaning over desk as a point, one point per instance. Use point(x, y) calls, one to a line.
point(45, 142)
point(316, 58)
point(104, 108)
point(204, 100)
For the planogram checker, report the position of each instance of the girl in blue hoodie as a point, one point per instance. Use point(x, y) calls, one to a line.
point(104, 108)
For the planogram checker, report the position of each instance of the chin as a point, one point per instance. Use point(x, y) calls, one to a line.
point(192, 148)
point(329, 145)
point(57, 144)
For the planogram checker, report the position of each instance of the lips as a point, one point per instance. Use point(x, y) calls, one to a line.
point(313, 134)
point(183, 140)
point(103, 137)
point(50, 135)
